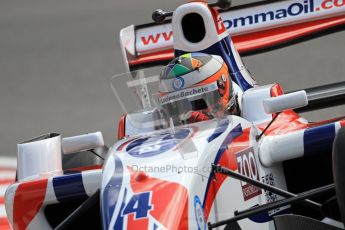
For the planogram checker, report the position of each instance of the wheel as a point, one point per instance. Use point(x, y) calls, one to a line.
point(338, 162)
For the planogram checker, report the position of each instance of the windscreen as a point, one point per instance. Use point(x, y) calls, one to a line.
point(137, 95)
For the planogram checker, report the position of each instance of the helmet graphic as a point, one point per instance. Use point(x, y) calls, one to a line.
point(195, 82)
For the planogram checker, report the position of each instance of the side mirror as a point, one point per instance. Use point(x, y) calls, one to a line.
point(284, 102)
point(82, 143)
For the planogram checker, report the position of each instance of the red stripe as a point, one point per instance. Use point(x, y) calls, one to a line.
point(288, 121)
point(4, 224)
point(228, 160)
point(169, 200)
point(342, 123)
point(7, 169)
point(6, 181)
point(314, 124)
point(121, 131)
point(137, 224)
point(85, 168)
point(2, 200)
point(28, 200)
point(276, 90)
point(267, 38)
point(165, 55)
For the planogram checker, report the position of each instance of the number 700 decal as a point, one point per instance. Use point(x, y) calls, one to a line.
point(247, 166)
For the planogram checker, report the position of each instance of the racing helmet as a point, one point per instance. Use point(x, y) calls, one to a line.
point(196, 82)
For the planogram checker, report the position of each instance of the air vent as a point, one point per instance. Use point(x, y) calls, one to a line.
point(193, 27)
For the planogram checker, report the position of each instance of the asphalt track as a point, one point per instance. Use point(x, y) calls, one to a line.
point(57, 59)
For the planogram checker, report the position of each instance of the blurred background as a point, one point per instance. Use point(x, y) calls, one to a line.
point(57, 59)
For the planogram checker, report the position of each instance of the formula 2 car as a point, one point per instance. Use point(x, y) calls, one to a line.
point(267, 168)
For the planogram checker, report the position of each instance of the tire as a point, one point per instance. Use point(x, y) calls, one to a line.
point(338, 162)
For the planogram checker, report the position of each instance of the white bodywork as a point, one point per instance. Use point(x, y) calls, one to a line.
point(252, 104)
point(191, 168)
point(92, 180)
point(278, 104)
point(82, 142)
point(280, 148)
point(40, 157)
point(181, 43)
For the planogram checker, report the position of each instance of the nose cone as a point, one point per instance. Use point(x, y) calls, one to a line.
point(133, 199)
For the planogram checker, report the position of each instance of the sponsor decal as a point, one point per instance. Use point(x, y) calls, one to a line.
point(252, 16)
point(154, 38)
point(178, 83)
point(294, 9)
point(246, 163)
point(188, 93)
point(218, 21)
point(199, 214)
point(139, 205)
point(270, 197)
point(269, 179)
point(28, 200)
point(156, 144)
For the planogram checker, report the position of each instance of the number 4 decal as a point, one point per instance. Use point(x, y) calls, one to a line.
point(140, 204)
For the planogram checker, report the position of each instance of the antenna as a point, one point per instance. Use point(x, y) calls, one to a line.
point(258, 137)
point(223, 4)
point(160, 15)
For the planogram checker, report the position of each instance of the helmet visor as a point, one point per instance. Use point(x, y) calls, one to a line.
point(180, 104)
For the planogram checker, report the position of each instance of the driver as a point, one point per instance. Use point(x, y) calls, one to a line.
point(196, 87)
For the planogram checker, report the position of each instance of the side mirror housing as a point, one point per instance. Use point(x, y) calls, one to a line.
point(284, 102)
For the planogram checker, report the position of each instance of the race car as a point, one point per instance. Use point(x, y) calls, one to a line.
point(264, 167)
